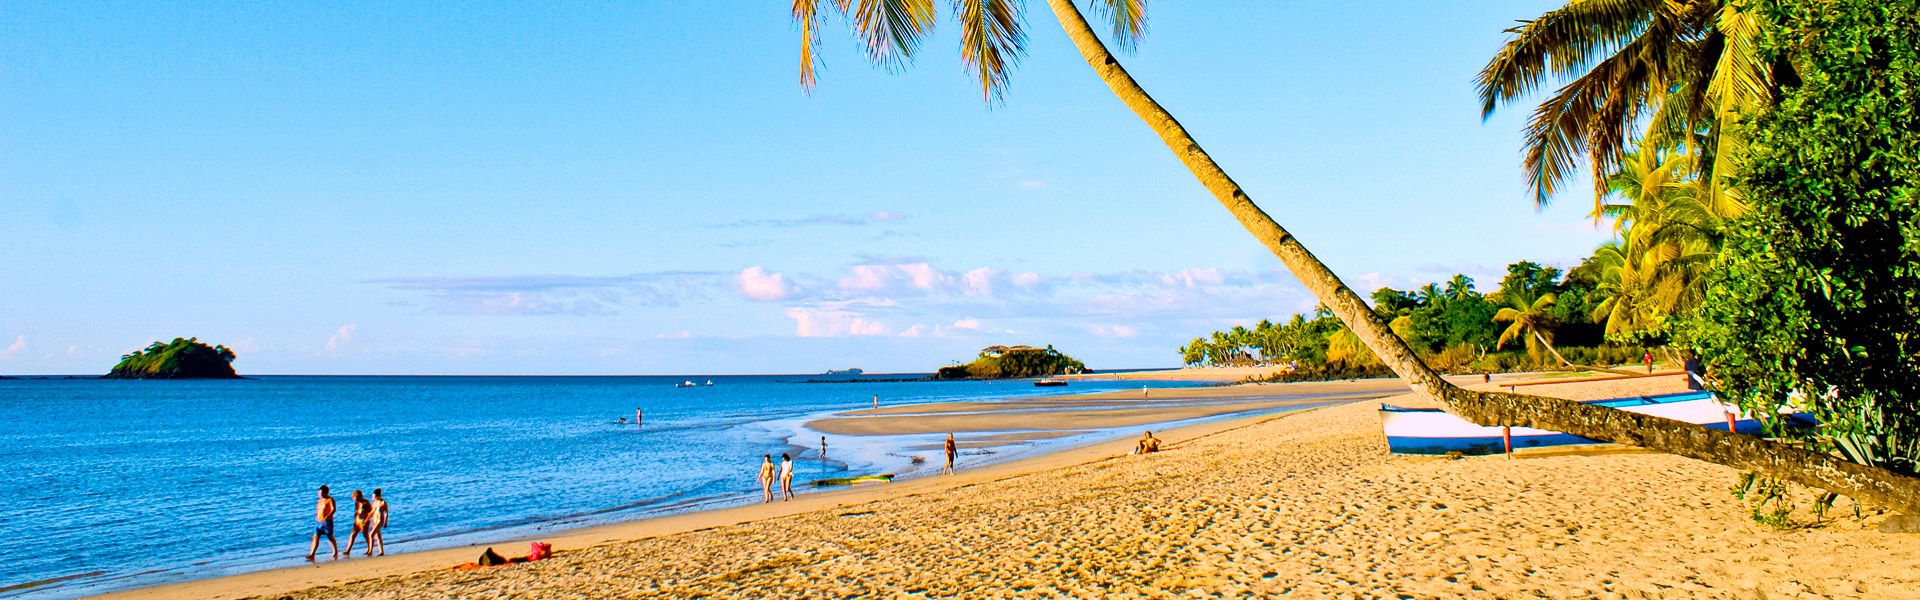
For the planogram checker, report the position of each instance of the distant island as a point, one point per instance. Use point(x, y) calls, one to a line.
point(1014, 362)
point(183, 358)
point(854, 371)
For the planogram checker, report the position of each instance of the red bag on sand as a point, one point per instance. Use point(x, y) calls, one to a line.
point(541, 550)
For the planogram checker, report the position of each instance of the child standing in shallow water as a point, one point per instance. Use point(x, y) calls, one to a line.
point(766, 478)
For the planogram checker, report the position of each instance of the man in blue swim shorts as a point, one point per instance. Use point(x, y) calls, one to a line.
point(323, 524)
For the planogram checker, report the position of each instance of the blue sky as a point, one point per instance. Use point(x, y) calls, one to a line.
point(643, 188)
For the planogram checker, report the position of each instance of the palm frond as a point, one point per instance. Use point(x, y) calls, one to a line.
point(1562, 41)
point(890, 30)
point(807, 14)
point(1129, 19)
point(992, 39)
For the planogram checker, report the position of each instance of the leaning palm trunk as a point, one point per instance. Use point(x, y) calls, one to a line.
point(1866, 484)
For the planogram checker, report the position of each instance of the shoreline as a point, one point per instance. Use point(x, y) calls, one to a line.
point(288, 579)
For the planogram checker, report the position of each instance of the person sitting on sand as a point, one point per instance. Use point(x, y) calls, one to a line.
point(323, 524)
point(766, 478)
point(362, 514)
point(377, 525)
point(1148, 444)
point(786, 476)
point(952, 451)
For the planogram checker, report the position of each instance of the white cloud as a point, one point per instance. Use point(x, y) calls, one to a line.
point(913, 331)
point(1032, 184)
point(980, 281)
point(341, 337)
point(19, 343)
point(865, 278)
point(1113, 331)
point(831, 320)
point(677, 335)
point(967, 324)
point(760, 284)
point(1193, 277)
point(1028, 279)
point(924, 276)
point(886, 215)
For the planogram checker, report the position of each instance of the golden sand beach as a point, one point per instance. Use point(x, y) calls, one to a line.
point(1307, 503)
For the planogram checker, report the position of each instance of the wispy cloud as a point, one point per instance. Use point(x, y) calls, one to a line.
point(841, 219)
point(558, 294)
point(341, 337)
point(19, 343)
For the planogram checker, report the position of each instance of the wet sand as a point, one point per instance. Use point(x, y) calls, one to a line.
point(1305, 503)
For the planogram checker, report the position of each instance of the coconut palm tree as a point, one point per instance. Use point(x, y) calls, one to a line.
point(1688, 69)
point(1529, 320)
point(992, 39)
point(1460, 287)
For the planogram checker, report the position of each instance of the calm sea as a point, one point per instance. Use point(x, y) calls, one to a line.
point(118, 484)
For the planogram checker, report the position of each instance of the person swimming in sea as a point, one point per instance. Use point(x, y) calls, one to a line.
point(362, 514)
point(766, 478)
point(786, 477)
point(323, 510)
point(377, 525)
point(952, 451)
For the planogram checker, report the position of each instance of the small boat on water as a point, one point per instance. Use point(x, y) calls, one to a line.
point(1050, 382)
point(1433, 431)
point(689, 383)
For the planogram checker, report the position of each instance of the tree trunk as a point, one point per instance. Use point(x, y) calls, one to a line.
point(1549, 346)
point(1866, 484)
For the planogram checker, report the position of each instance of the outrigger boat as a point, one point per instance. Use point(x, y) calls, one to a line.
point(1433, 431)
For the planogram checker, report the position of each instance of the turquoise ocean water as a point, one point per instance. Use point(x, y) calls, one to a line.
point(119, 484)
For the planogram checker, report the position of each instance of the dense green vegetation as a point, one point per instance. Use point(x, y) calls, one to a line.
point(1452, 326)
point(1004, 362)
point(183, 358)
point(1766, 193)
point(1816, 295)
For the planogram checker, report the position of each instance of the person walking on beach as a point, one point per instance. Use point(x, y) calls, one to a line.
point(766, 478)
point(823, 448)
point(377, 525)
point(1649, 360)
point(323, 524)
point(786, 476)
point(362, 516)
point(876, 402)
point(952, 451)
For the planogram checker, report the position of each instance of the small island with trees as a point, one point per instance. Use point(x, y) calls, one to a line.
point(1013, 362)
point(183, 358)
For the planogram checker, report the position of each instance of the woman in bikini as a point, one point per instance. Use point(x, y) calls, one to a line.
point(766, 478)
point(377, 525)
point(362, 511)
point(786, 477)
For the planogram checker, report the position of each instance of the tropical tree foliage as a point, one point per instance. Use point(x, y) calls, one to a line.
point(1688, 67)
point(182, 358)
point(1816, 302)
point(1452, 326)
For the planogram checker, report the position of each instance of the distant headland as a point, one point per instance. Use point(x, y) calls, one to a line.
point(182, 358)
point(1014, 362)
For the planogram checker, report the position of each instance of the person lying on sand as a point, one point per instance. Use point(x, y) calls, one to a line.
point(377, 525)
point(1148, 444)
point(323, 524)
point(362, 514)
point(766, 478)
